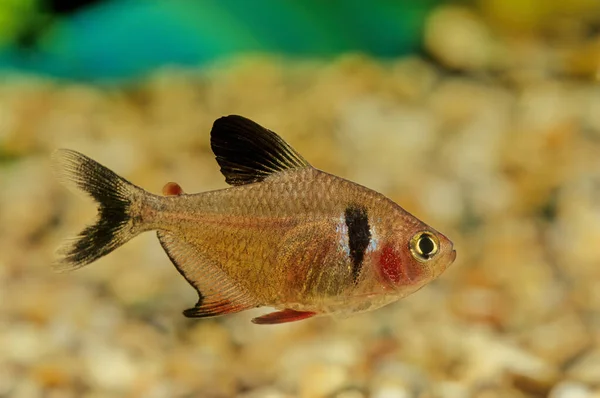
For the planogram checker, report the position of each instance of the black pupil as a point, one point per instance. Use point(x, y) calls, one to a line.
point(426, 245)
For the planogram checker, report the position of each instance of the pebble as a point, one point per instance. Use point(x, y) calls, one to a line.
point(480, 304)
point(55, 374)
point(569, 389)
point(459, 39)
point(351, 393)
point(23, 343)
point(568, 329)
point(332, 358)
point(394, 132)
point(451, 389)
point(109, 367)
point(267, 392)
point(391, 392)
point(322, 380)
point(30, 206)
point(412, 79)
point(27, 388)
point(491, 358)
point(8, 377)
point(451, 209)
point(586, 369)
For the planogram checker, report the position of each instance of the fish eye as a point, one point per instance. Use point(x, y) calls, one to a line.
point(424, 245)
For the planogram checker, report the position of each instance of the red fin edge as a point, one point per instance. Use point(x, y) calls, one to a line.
point(214, 308)
point(283, 316)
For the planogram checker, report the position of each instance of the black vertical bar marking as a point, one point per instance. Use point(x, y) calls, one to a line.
point(359, 236)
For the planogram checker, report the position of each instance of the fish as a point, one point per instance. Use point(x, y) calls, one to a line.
point(284, 235)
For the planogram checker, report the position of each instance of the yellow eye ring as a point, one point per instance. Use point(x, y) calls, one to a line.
point(424, 245)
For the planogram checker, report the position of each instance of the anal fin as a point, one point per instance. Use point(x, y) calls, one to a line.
point(283, 316)
point(217, 293)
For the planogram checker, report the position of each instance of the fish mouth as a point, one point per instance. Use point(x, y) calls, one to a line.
point(453, 256)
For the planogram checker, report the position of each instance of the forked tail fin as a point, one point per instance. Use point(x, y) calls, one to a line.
point(114, 195)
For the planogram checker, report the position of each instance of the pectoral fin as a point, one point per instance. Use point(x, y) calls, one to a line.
point(283, 316)
point(218, 294)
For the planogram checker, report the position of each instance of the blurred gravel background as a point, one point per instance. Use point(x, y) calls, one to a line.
point(487, 127)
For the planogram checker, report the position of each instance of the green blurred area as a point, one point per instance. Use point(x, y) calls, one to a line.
point(129, 38)
point(15, 16)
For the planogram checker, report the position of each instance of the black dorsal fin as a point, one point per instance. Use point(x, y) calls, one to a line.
point(248, 152)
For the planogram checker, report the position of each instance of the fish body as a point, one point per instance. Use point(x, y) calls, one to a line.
point(285, 235)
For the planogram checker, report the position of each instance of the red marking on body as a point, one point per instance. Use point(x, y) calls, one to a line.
point(283, 316)
point(401, 268)
point(172, 189)
point(390, 264)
